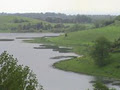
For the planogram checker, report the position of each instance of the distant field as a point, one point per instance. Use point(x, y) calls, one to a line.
point(86, 24)
point(8, 22)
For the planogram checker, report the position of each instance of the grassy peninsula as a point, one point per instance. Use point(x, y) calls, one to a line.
point(81, 43)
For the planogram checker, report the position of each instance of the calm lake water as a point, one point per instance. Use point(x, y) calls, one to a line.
point(39, 60)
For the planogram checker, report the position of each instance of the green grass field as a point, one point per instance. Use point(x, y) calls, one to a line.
point(81, 42)
point(85, 65)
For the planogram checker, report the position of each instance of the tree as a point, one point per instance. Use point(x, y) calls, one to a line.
point(115, 47)
point(77, 27)
point(100, 52)
point(82, 19)
point(60, 25)
point(15, 77)
point(117, 18)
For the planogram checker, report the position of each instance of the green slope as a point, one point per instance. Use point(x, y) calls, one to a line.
point(8, 22)
point(81, 42)
point(87, 36)
point(86, 64)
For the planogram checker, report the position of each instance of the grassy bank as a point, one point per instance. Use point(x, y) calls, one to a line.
point(85, 65)
point(81, 42)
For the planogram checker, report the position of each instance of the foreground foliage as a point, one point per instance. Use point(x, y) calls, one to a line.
point(14, 76)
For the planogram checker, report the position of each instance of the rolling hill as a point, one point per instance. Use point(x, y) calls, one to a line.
point(20, 24)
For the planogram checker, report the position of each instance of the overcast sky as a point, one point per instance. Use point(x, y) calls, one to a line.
point(62, 6)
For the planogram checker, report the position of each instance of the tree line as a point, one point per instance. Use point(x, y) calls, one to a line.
point(60, 17)
point(76, 19)
point(31, 27)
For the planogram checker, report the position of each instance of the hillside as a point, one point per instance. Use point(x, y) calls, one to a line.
point(20, 24)
point(10, 23)
point(81, 41)
point(60, 17)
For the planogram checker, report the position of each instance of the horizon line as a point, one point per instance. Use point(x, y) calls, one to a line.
point(114, 14)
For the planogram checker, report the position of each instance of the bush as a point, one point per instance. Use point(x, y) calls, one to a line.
point(101, 86)
point(100, 51)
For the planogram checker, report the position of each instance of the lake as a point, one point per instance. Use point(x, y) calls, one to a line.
point(41, 61)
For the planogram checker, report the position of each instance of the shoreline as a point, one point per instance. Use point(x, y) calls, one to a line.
point(85, 64)
point(54, 65)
